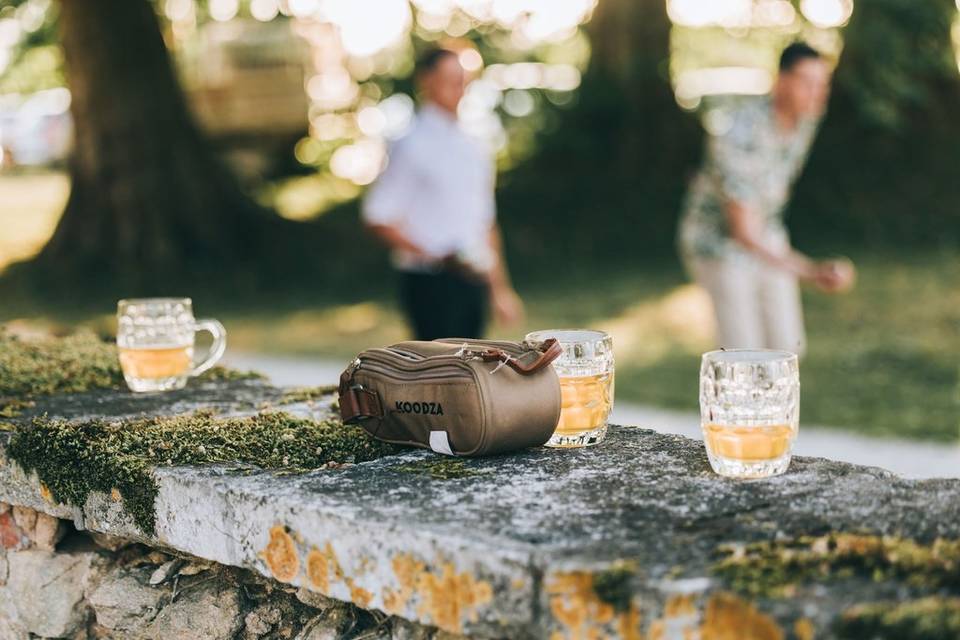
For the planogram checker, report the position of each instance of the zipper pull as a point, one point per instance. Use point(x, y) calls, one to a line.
point(346, 378)
point(352, 367)
point(486, 355)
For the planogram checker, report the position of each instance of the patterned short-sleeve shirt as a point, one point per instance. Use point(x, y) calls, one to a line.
point(755, 163)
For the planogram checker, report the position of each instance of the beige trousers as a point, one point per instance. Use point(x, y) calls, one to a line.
point(755, 305)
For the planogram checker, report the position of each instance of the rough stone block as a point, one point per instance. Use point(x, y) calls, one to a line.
point(25, 518)
point(635, 538)
point(316, 600)
point(48, 531)
point(45, 591)
point(125, 601)
point(401, 629)
point(108, 542)
point(11, 535)
point(328, 626)
point(206, 610)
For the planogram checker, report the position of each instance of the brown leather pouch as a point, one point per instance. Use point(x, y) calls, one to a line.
point(455, 396)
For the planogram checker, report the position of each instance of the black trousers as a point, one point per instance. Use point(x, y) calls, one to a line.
point(443, 305)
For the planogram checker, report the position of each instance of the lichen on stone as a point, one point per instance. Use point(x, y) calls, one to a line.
point(931, 618)
point(439, 468)
point(44, 365)
point(74, 459)
point(775, 568)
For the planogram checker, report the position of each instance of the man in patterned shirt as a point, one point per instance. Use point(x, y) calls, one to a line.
point(732, 235)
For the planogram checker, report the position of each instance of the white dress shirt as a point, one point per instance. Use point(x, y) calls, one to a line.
point(437, 190)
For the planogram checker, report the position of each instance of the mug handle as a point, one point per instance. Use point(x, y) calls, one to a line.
point(219, 345)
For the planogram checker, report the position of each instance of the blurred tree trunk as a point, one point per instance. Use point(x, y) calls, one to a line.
point(622, 154)
point(630, 42)
point(150, 201)
point(883, 167)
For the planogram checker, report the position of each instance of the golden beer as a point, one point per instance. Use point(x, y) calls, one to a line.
point(155, 338)
point(749, 410)
point(585, 369)
point(585, 403)
point(156, 362)
point(748, 444)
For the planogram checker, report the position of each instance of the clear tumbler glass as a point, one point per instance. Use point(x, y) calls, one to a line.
point(586, 385)
point(749, 410)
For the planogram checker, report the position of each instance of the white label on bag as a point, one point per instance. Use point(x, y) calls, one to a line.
point(440, 443)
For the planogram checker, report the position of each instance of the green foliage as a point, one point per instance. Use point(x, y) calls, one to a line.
point(74, 459)
point(898, 58)
point(37, 62)
point(882, 169)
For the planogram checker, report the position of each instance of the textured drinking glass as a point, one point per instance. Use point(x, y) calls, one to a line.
point(155, 338)
point(749, 410)
point(586, 385)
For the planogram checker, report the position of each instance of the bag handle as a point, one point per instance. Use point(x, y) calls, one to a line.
point(550, 349)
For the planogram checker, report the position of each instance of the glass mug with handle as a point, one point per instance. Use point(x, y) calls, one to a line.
point(155, 340)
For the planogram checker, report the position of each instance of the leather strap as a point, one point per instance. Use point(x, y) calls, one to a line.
point(549, 350)
point(356, 402)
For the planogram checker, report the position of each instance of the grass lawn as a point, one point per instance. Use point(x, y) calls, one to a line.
point(883, 359)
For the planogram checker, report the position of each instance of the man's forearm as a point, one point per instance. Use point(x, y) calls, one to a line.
point(498, 276)
point(743, 229)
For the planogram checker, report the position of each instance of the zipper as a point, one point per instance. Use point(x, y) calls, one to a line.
point(407, 354)
point(435, 373)
point(390, 358)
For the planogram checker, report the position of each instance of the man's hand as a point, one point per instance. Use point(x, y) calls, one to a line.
point(394, 239)
point(835, 276)
point(507, 305)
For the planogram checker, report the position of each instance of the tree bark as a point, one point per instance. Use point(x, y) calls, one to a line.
point(631, 53)
point(620, 159)
point(150, 201)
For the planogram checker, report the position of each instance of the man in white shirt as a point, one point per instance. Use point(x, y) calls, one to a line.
point(433, 206)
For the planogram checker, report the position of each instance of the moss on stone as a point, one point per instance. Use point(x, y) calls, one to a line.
point(74, 459)
point(932, 618)
point(774, 568)
point(613, 585)
point(226, 374)
point(41, 366)
point(439, 468)
point(302, 394)
point(13, 407)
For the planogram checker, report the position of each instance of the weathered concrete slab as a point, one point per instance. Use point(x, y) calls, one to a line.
point(620, 540)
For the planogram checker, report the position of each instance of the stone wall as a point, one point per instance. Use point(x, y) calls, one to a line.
point(57, 582)
point(636, 539)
